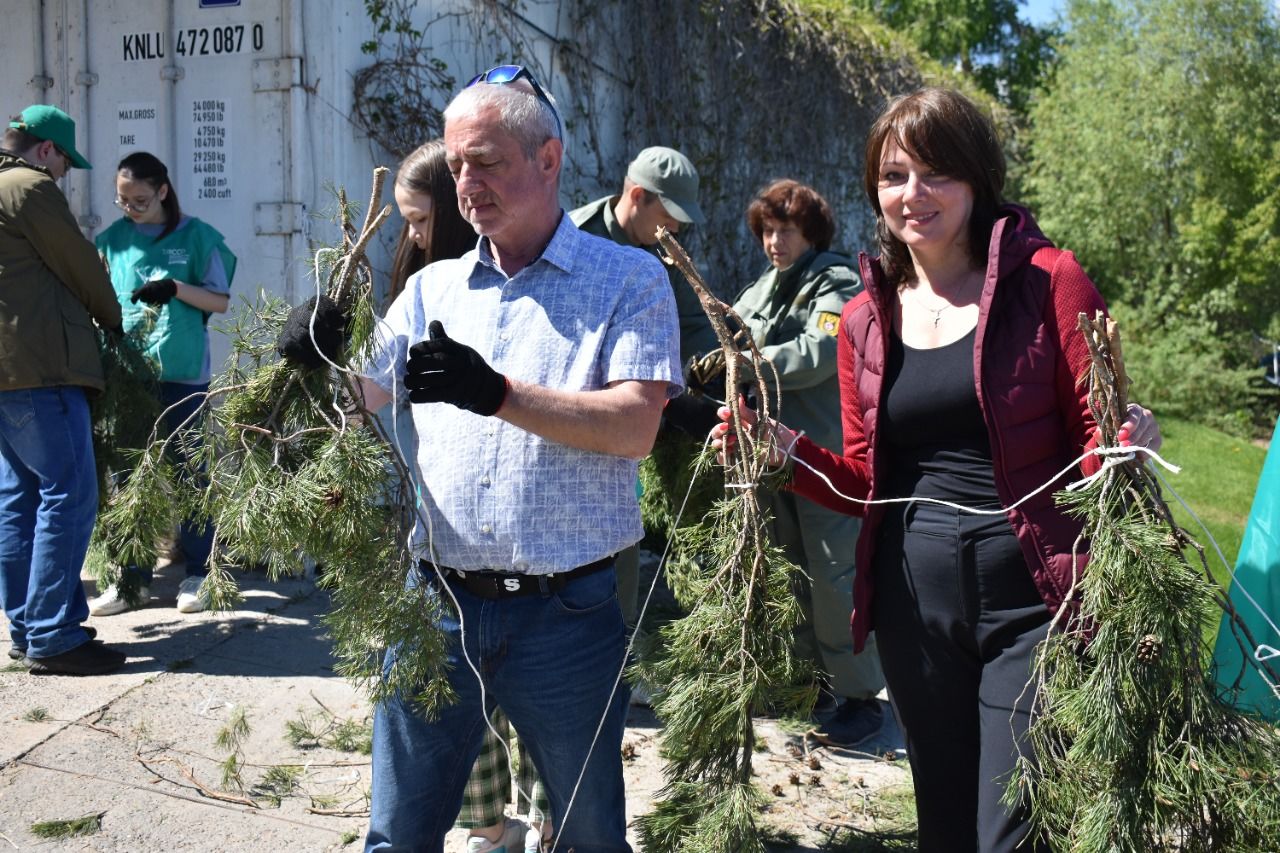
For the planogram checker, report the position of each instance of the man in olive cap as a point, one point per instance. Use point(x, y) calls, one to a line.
point(661, 189)
point(52, 288)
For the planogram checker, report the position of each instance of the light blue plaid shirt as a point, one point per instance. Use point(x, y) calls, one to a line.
point(586, 313)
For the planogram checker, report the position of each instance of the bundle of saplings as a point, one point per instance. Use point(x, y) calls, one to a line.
point(732, 653)
point(286, 462)
point(1135, 748)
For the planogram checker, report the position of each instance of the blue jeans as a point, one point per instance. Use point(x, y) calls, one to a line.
point(48, 504)
point(196, 538)
point(549, 661)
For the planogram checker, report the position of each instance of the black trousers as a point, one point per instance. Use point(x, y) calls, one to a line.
point(958, 619)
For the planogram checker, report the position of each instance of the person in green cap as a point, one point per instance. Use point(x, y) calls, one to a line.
point(52, 289)
point(661, 189)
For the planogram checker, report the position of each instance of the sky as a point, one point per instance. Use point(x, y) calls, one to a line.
point(1040, 11)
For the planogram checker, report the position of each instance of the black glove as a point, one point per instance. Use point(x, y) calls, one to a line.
point(294, 340)
point(692, 414)
point(157, 292)
point(441, 370)
point(703, 370)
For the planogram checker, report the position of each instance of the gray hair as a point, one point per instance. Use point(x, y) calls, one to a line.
point(521, 113)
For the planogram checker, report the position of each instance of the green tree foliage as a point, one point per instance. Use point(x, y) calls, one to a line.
point(285, 462)
point(1154, 157)
point(984, 38)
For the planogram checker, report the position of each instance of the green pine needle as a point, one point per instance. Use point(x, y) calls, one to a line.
point(282, 470)
point(232, 735)
point(1136, 748)
point(74, 828)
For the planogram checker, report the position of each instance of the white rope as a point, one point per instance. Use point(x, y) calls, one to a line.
point(1117, 454)
point(1113, 457)
point(644, 608)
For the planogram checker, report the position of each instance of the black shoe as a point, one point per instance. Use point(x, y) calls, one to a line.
point(854, 721)
point(92, 658)
point(828, 702)
point(16, 653)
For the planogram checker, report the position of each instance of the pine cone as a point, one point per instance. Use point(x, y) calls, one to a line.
point(1149, 649)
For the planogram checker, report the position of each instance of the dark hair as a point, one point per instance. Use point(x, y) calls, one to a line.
point(948, 132)
point(791, 201)
point(18, 141)
point(425, 171)
point(141, 166)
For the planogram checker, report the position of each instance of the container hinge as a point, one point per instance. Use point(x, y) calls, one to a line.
point(277, 217)
point(172, 72)
point(89, 221)
point(87, 78)
point(277, 75)
point(42, 82)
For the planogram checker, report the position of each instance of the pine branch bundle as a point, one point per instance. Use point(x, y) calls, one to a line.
point(732, 652)
point(127, 407)
point(123, 416)
point(1134, 748)
point(676, 463)
point(284, 461)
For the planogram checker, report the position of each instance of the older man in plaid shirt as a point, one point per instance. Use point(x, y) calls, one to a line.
point(542, 360)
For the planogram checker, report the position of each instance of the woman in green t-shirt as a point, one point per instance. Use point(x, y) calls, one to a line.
point(170, 272)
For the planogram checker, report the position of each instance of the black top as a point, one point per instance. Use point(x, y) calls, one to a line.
point(936, 441)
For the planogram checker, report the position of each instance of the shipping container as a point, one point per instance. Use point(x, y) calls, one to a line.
point(248, 102)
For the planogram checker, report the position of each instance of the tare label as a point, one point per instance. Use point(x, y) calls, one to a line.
point(137, 126)
point(188, 42)
point(210, 149)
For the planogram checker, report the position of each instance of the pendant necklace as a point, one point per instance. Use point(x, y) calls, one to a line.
point(936, 312)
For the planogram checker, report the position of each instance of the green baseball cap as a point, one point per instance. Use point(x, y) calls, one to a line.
point(669, 174)
point(52, 125)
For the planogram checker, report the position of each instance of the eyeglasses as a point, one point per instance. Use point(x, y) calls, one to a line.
point(512, 73)
point(66, 158)
point(126, 205)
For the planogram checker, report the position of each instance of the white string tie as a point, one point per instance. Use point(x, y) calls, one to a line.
point(1113, 456)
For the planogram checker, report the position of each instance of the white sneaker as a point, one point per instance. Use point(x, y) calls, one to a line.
point(191, 599)
point(533, 840)
point(112, 602)
point(508, 843)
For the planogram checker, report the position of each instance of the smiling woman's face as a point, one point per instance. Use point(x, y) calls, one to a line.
point(925, 209)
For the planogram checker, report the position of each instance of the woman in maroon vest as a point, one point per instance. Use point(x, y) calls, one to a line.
point(960, 379)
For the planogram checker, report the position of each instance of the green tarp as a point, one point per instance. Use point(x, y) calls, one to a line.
point(1258, 575)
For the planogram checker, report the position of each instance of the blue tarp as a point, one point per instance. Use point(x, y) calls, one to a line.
point(1258, 574)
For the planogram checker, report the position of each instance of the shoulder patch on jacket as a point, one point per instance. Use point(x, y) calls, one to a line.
point(829, 323)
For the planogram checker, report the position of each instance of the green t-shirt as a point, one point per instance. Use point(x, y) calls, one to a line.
point(193, 253)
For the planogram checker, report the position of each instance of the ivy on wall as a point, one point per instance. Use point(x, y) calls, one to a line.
point(750, 90)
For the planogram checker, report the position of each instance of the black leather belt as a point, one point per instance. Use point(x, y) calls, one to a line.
point(494, 585)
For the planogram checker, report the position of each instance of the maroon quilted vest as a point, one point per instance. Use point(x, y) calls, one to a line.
point(1028, 356)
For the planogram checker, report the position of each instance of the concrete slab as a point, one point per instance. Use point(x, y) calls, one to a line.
point(140, 745)
point(145, 817)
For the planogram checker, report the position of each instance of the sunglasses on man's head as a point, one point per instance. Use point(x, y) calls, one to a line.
point(510, 74)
